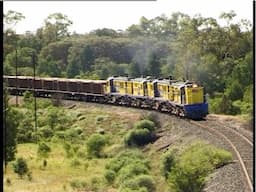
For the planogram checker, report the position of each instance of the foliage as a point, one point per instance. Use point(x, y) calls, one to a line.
point(43, 150)
point(139, 183)
point(11, 121)
point(142, 133)
point(220, 57)
point(75, 162)
point(20, 167)
point(130, 170)
point(145, 124)
point(192, 166)
point(78, 184)
point(138, 137)
point(168, 162)
point(110, 176)
point(95, 145)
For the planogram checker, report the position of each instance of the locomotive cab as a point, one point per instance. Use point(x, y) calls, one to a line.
point(192, 97)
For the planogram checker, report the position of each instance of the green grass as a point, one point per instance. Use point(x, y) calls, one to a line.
point(76, 170)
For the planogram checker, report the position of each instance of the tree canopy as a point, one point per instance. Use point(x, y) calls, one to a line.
point(195, 48)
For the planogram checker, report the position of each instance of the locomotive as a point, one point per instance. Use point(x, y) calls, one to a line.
point(182, 98)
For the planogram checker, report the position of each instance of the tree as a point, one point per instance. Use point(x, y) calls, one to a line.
point(10, 38)
point(11, 121)
point(55, 28)
point(105, 32)
point(11, 18)
point(87, 58)
point(154, 65)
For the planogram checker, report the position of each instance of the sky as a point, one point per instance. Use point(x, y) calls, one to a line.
point(91, 15)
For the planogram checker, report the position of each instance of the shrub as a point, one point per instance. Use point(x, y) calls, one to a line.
point(46, 132)
point(75, 162)
point(145, 124)
point(139, 183)
point(125, 158)
point(95, 144)
point(78, 184)
point(29, 174)
point(60, 134)
point(168, 162)
point(71, 134)
point(28, 97)
point(99, 118)
point(8, 181)
point(110, 176)
point(43, 150)
point(151, 116)
point(68, 150)
point(138, 137)
point(194, 164)
point(20, 167)
point(130, 169)
point(25, 130)
point(146, 181)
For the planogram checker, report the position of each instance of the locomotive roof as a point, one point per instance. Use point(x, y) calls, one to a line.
point(119, 78)
point(140, 79)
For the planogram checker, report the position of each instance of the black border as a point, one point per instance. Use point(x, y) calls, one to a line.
point(1, 84)
point(253, 120)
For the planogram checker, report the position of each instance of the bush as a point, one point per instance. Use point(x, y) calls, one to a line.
point(223, 105)
point(78, 184)
point(138, 137)
point(46, 132)
point(68, 149)
point(139, 183)
point(71, 134)
point(145, 124)
point(151, 116)
point(8, 181)
point(130, 169)
point(110, 176)
point(28, 98)
point(95, 144)
point(25, 130)
point(194, 164)
point(43, 150)
point(20, 167)
point(146, 181)
point(75, 162)
point(168, 162)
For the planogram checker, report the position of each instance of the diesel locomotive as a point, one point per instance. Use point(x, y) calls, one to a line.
point(182, 98)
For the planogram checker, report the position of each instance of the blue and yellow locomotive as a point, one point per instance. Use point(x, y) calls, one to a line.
point(176, 97)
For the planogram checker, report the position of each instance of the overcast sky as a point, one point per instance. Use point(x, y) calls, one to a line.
point(90, 15)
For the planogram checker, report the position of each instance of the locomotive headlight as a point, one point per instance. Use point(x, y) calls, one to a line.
point(195, 85)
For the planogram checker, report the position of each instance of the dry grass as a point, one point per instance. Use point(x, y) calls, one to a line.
point(59, 173)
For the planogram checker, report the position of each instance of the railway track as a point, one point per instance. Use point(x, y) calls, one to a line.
point(241, 145)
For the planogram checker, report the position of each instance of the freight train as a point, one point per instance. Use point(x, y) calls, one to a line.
point(182, 98)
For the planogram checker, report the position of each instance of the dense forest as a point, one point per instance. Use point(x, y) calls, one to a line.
point(196, 48)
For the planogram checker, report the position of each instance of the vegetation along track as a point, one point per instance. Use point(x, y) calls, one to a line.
point(241, 145)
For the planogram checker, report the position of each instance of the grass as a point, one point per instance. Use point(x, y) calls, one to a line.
point(57, 172)
point(80, 172)
point(61, 172)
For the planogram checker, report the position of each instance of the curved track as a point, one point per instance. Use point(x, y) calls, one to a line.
point(241, 145)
